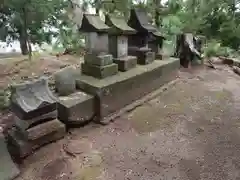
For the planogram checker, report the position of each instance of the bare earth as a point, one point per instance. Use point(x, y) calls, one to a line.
point(189, 132)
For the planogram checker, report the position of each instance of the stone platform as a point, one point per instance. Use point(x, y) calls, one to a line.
point(115, 92)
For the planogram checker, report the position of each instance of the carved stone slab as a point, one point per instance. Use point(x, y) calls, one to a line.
point(32, 99)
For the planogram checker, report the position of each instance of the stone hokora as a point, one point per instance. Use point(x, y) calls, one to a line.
point(118, 43)
point(147, 37)
point(32, 99)
point(97, 62)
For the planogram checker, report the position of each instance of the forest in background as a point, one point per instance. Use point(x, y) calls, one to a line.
point(40, 21)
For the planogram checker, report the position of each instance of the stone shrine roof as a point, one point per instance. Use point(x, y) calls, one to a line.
point(93, 23)
point(118, 25)
point(139, 21)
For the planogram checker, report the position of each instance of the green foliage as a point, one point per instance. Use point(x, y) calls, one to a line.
point(28, 20)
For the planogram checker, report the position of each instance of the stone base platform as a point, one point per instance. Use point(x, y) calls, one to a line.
point(115, 92)
point(99, 72)
point(76, 109)
point(126, 63)
point(21, 144)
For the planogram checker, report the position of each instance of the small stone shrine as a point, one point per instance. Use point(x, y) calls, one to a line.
point(118, 42)
point(97, 62)
point(155, 43)
point(35, 111)
point(147, 36)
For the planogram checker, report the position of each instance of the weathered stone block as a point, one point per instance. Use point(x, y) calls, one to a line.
point(42, 130)
point(8, 170)
point(65, 81)
point(158, 56)
point(134, 84)
point(145, 57)
point(101, 60)
point(26, 124)
point(21, 147)
point(76, 109)
point(99, 72)
point(126, 63)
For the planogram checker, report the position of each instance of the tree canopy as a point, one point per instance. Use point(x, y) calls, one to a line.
point(36, 21)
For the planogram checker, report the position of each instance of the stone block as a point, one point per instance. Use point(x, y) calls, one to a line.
point(114, 93)
point(8, 170)
point(76, 109)
point(126, 63)
point(158, 56)
point(41, 135)
point(145, 57)
point(26, 124)
point(101, 60)
point(99, 72)
point(65, 81)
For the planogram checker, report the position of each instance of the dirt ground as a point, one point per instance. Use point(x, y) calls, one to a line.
point(18, 69)
point(189, 132)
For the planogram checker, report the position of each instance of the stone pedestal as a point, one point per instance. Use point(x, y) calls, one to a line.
point(100, 67)
point(144, 55)
point(35, 110)
point(76, 109)
point(23, 143)
point(126, 63)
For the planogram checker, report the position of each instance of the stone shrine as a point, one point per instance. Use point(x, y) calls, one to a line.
point(146, 34)
point(155, 43)
point(97, 62)
point(118, 42)
point(116, 91)
point(35, 111)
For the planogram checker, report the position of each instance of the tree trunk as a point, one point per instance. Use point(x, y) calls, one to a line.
point(157, 13)
point(157, 16)
point(23, 44)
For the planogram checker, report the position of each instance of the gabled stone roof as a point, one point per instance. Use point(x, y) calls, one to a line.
point(118, 25)
point(139, 21)
point(93, 23)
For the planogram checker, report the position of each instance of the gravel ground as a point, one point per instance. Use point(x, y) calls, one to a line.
point(189, 132)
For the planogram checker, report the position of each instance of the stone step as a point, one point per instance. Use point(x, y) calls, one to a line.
point(76, 109)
